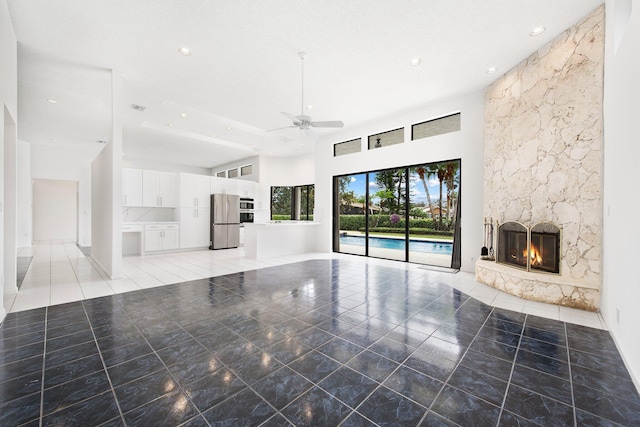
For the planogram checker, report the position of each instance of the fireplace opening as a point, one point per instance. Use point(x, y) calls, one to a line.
point(537, 248)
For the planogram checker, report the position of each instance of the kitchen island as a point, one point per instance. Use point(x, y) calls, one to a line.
point(278, 238)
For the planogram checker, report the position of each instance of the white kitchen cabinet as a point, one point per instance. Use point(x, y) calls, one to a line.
point(131, 187)
point(217, 185)
point(195, 230)
point(161, 237)
point(159, 189)
point(195, 191)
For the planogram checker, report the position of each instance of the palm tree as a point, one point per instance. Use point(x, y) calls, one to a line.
point(441, 173)
point(451, 174)
point(424, 175)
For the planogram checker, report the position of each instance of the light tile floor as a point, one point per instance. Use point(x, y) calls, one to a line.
point(60, 273)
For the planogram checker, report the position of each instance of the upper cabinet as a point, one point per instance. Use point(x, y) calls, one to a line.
point(195, 191)
point(246, 188)
point(131, 187)
point(159, 189)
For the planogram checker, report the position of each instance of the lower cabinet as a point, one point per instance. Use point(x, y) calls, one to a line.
point(195, 229)
point(161, 237)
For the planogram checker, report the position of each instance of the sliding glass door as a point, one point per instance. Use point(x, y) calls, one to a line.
point(405, 214)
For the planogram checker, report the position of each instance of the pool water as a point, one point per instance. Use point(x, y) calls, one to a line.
point(442, 248)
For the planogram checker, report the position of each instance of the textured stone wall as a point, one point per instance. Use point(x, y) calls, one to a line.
point(543, 145)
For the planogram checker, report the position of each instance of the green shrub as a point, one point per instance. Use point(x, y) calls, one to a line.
point(357, 222)
point(416, 231)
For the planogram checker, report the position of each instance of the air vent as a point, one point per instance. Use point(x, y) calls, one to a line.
point(138, 107)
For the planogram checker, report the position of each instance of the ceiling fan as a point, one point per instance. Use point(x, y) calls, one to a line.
point(302, 121)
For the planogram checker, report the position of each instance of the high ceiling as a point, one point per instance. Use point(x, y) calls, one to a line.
point(244, 70)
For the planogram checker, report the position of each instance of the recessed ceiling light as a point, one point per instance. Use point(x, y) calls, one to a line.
point(185, 51)
point(537, 31)
point(54, 140)
point(170, 125)
point(52, 101)
point(416, 61)
point(309, 107)
point(229, 128)
point(213, 135)
point(491, 70)
point(183, 114)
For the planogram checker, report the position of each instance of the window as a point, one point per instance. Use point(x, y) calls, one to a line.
point(292, 203)
point(347, 147)
point(232, 173)
point(384, 139)
point(246, 170)
point(222, 174)
point(435, 127)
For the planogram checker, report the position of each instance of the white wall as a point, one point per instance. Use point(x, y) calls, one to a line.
point(24, 221)
point(467, 145)
point(254, 161)
point(621, 282)
point(8, 103)
point(129, 162)
point(49, 162)
point(55, 210)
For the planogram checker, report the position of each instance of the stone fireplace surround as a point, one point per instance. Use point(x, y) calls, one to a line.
point(543, 163)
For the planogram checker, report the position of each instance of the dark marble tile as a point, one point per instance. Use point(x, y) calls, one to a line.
point(197, 421)
point(252, 368)
point(20, 368)
point(541, 383)
point(431, 365)
point(134, 369)
point(507, 419)
point(219, 338)
point(373, 365)
point(287, 350)
point(213, 388)
point(94, 411)
point(361, 336)
point(314, 337)
point(179, 352)
point(542, 363)
point(340, 350)
point(243, 409)
point(604, 383)
point(72, 370)
point(69, 340)
point(71, 326)
point(414, 385)
point(265, 337)
point(585, 419)
point(537, 408)
point(316, 408)
point(20, 386)
point(544, 348)
point(609, 407)
point(170, 409)
point(349, 386)
point(385, 407)
point(282, 387)
point(72, 392)
point(18, 353)
point(21, 410)
point(8, 343)
point(500, 336)
point(194, 367)
point(169, 339)
point(494, 348)
point(444, 349)
point(465, 409)
point(543, 324)
point(607, 365)
point(544, 335)
point(314, 366)
point(357, 420)
point(145, 389)
point(392, 349)
point(479, 384)
point(454, 336)
point(117, 355)
point(7, 331)
point(54, 358)
point(434, 420)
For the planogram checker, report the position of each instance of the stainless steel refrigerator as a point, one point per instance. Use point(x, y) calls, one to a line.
point(225, 221)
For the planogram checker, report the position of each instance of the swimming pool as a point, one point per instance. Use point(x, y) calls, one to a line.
point(443, 248)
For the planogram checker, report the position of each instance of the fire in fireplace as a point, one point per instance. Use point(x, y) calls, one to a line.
point(537, 248)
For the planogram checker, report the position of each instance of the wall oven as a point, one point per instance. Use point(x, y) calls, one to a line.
point(246, 210)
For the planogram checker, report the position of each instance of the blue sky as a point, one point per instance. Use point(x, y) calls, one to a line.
point(358, 183)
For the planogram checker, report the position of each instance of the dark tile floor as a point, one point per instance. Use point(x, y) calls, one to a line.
point(319, 343)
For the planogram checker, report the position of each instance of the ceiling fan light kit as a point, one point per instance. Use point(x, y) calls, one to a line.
point(302, 121)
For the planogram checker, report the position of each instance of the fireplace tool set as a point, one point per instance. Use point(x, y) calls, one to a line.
point(487, 253)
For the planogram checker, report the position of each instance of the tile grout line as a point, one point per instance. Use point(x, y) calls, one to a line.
point(513, 368)
point(573, 400)
point(44, 358)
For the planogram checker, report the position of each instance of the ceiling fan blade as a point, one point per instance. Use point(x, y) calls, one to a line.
point(290, 116)
point(330, 124)
point(286, 127)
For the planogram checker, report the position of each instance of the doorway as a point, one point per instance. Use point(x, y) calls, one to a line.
point(55, 210)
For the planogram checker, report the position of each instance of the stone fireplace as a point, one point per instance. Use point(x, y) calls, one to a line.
point(543, 171)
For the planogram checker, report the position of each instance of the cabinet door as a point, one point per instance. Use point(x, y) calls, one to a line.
point(217, 185)
point(203, 191)
point(170, 239)
point(168, 189)
point(152, 240)
point(203, 227)
point(231, 186)
point(187, 190)
point(187, 228)
point(150, 188)
point(131, 187)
